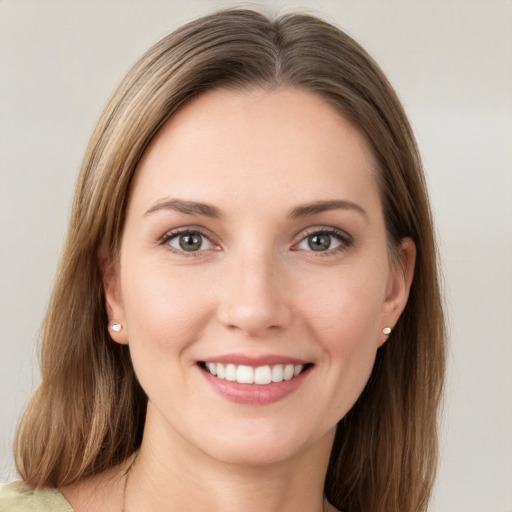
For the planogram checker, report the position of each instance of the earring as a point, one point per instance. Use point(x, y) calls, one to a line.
point(116, 327)
point(386, 331)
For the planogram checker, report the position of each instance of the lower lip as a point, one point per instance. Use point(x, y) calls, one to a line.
point(253, 394)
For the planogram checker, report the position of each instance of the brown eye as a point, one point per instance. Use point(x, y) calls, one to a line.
point(326, 240)
point(191, 241)
point(319, 242)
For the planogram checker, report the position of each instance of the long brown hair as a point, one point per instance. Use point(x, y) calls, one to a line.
point(88, 413)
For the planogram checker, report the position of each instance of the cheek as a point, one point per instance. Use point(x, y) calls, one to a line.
point(345, 323)
point(343, 315)
point(349, 304)
point(164, 308)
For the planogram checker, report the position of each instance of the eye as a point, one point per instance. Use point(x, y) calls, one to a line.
point(319, 242)
point(188, 241)
point(325, 240)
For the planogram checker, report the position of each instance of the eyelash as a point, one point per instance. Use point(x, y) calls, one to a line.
point(344, 238)
point(170, 235)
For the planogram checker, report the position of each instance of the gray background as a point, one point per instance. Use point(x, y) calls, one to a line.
point(451, 63)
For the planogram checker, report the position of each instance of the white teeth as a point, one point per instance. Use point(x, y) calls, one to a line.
point(288, 372)
point(231, 372)
point(221, 373)
point(245, 374)
point(261, 375)
point(277, 373)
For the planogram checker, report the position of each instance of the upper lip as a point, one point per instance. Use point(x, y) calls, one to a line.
point(255, 361)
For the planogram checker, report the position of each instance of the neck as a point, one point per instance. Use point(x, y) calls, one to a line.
point(170, 476)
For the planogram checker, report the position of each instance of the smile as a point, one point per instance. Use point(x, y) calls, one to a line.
point(260, 375)
point(255, 380)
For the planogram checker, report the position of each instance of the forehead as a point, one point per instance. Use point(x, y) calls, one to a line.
point(282, 146)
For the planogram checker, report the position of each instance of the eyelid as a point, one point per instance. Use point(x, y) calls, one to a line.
point(345, 239)
point(172, 233)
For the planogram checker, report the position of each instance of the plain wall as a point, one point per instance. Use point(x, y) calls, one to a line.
point(451, 63)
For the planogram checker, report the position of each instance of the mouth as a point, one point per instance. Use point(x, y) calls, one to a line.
point(256, 375)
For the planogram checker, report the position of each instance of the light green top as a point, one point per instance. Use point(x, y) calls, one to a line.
point(19, 497)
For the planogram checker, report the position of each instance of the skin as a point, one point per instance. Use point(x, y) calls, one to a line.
point(255, 287)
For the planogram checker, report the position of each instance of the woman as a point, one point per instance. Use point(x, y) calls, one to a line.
point(247, 313)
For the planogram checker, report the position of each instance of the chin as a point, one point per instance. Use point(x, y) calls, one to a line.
point(254, 456)
point(264, 446)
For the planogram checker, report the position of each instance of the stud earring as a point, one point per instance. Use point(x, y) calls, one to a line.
point(386, 331)
point(116, 327)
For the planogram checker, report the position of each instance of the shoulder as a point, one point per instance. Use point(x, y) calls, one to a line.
point(19, 497)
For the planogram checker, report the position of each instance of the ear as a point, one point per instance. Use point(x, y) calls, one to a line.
point(113, 297)
point(399, 286)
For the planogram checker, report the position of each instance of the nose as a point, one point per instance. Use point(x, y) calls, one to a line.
point(253, 296)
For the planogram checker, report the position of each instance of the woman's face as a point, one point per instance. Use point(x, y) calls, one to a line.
point(255, 249)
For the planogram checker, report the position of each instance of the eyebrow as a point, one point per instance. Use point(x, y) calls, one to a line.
point(322, 206)
point(207, 210)
point(186, 207)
